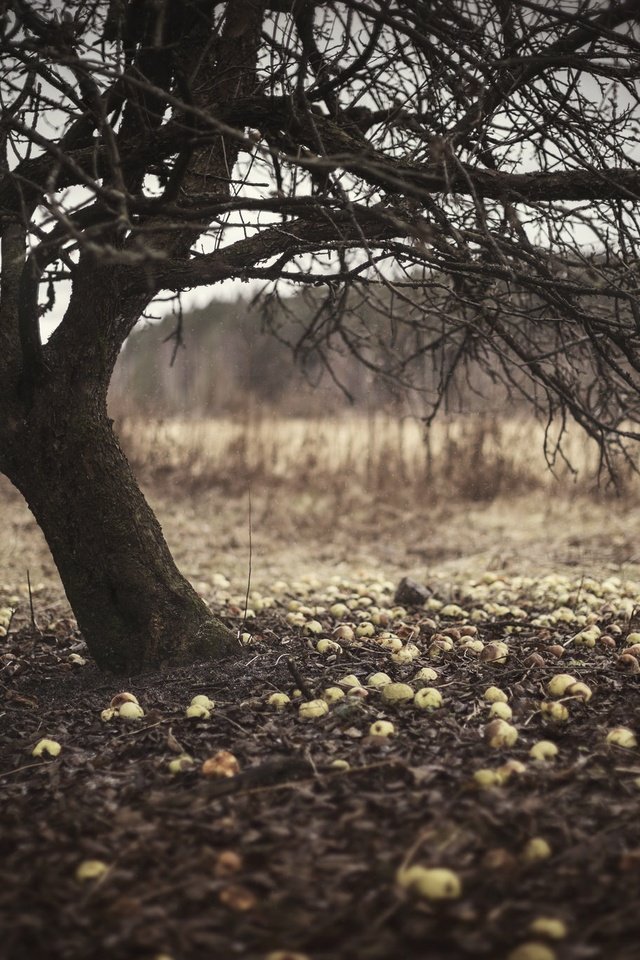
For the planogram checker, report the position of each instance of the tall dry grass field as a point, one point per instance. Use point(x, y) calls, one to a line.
point(473, 458)
point(360, 492)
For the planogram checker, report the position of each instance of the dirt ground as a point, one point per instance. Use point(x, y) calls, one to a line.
point(297, 854)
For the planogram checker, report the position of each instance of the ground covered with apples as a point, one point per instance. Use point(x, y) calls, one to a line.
point(444, 768)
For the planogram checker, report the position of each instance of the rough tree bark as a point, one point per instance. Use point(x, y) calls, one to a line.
point(57, 446)
point(134, 607)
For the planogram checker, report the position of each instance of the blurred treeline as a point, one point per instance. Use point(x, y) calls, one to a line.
point(226, 362)
point(238, 401)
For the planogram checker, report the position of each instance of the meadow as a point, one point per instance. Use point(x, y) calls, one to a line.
point(466, 457)
point(472, 493)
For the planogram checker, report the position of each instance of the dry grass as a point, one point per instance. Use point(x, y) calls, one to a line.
point(333, 496)
point(468, 458)
point(294, 532)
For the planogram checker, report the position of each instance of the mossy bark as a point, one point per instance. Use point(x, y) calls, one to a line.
point(135, 609)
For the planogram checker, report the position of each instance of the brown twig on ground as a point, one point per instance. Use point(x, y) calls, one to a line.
point(299, 679)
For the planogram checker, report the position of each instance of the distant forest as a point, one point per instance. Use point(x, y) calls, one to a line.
point(224, 361)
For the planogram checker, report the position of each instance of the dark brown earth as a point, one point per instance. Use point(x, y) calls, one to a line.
point(318, 848)
point(294, 853)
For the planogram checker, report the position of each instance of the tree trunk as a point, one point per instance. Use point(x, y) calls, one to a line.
point(135, 609)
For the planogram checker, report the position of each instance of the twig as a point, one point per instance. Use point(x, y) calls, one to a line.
point(297, 771)
point(299, 679)
point(246, 598)
point(140, 730)
point(11, 616)
point(34, 625)
point(26, 766)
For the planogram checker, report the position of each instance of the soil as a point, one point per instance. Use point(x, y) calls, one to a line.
point(294, 853)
